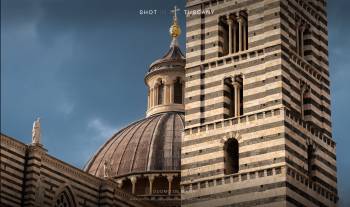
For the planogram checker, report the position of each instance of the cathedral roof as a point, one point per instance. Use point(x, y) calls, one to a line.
point(150, 144)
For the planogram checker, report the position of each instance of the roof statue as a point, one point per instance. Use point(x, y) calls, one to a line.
point(36, 132)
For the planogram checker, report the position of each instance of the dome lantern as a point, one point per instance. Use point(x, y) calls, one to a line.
point(165, 78)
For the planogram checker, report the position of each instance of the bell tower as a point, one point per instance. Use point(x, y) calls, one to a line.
point(257, 105)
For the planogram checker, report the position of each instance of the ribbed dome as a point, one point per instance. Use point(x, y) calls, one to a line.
point(151, 144)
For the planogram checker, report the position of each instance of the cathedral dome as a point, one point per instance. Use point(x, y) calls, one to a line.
point(148, 145)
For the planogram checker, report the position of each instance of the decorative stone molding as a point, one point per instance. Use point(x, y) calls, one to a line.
point(235, 135)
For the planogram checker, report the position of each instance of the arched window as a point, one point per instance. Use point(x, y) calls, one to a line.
point(233, 31)
point(233, 91)
point(304, 98)
point(160, 93)
point(302, 30)
point(64, 199)
point(178, 91)
point(310, 157)
point(230, 94)
point(225, 35)
point(231, 159)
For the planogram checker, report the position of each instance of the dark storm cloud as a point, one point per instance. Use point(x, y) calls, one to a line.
point(79, 64)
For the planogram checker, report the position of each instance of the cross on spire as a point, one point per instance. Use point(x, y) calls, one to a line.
point(176, 9)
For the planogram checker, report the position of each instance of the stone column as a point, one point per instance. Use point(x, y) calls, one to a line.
point(170, 179)
point(237, 99)
point(148, 99)
point(156, 95)
point(172, 92)
point(151, 179)
point(240, 28)
point(229, 22)
point(152, 98)
point(133, 180)
point(167, 94)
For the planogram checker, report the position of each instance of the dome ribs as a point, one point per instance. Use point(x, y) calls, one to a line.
point(168, 145)
point(179, 126)
point(120, 164)
point(157, 149)
point(88, 165)
point(150, 152)
point(138, 154)
point(93, 169)
point(116, 139)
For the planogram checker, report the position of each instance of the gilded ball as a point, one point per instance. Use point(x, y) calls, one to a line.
point(175, 30)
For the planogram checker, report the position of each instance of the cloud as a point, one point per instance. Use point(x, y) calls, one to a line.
point(101, 128)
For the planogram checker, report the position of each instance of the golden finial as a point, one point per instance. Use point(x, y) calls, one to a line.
point(175, 30)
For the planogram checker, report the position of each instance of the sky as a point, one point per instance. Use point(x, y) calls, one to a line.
point(79, 66)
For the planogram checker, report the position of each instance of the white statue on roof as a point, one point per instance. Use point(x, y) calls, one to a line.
point(36, 132)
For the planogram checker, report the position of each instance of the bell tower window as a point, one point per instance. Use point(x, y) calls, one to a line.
point(231, 156)
point(310, 158)
point(302, 31)
point(233, 88)
point(231, 96)
point(234, 33)
point(304, 98)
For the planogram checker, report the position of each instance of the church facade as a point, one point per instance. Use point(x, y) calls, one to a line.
point(243, 120)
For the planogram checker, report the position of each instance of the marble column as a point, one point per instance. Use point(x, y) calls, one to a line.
point(240, 28)
point(234, 37)
point(156, 95)
point(133, 180)
point(170, 179)
point(237, 99)
point(148, 99)
point(172, 92)
point(167, 94)
point(151, 179)
point(152, 98)
point(230, 23)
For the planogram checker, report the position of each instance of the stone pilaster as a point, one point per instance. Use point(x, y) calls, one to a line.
point(106, 194)
point(32, 168)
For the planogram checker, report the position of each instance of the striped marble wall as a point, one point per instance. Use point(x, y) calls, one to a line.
point(272, 133)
